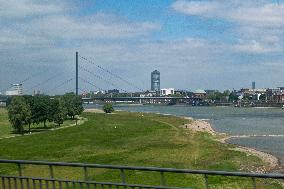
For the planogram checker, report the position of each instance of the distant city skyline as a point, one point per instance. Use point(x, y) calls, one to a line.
point(194, 44)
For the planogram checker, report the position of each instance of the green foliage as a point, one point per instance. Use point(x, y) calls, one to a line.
point(58, 112)
point(73, 104)
point(262, 97)
point(40, 109)
point(108, 108)
point(233, 97)
point(19, 113)
point(219, 96)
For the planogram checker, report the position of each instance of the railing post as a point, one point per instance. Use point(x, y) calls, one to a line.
point(51, 173)
point(34, 183)
point(122, 174)
point(40, 183)
point(85, 173)
point(253, 183)
point(3, 183)
point(15, 184)
point(163, 181)
point(46, 184)
point(9, 182)
point(20, 169)
point(206, 181)
point(28, 182)
point(21, 183)
point(20, 173)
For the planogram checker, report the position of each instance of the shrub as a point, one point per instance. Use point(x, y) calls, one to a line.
point(108, 108)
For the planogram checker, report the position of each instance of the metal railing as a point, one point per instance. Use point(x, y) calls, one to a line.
point(22, 182)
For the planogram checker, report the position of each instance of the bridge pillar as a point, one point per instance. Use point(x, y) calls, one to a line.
point(77, 88)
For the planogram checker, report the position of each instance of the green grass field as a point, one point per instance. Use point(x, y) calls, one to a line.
point(5, 128)
point(126, 138)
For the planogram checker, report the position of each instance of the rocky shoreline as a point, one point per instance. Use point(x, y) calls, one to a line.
point(204, 126)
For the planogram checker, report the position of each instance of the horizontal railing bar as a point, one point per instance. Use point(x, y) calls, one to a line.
point(156, 169)
point(88, 182)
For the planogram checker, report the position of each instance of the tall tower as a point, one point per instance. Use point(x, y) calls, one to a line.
point(155, 81)
point(77, 70)
point(253, 85)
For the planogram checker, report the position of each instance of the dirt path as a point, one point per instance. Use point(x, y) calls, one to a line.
point(80, 122)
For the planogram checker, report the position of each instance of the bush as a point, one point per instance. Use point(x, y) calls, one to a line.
point(108, 108)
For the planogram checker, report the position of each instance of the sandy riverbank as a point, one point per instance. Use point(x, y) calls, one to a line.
point(203, 126)
point(94, 110)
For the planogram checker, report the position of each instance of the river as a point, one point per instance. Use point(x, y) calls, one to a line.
point(259, 128)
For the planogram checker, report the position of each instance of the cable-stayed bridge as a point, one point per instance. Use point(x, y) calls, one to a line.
point(84, 76)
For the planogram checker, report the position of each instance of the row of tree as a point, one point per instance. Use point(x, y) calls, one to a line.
point(27, 110)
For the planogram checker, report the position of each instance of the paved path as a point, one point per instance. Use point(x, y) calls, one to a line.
point(80, 122)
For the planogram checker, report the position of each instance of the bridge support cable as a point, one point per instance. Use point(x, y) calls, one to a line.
point(77, 74)
point(101, 78)
point(60, 85)
point(45, 81)
point(32, 76)
point(88, 82)
point(25, 80)
point(111, 73)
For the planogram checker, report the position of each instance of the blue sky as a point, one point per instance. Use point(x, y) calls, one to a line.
point(194, 44)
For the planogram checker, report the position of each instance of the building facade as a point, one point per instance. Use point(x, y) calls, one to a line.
point(17, 90)
point(199, 93)
point(275, 95)
point(253, 85)
point(155, 81)
point(166, 92)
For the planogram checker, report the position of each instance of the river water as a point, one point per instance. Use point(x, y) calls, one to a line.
point(260, 128)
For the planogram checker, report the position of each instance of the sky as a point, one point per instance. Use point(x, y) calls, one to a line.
point(194, 44)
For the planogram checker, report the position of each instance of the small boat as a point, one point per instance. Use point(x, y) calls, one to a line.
point(282, 106)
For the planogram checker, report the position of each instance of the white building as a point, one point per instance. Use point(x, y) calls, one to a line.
point(17, 90)
point(166, 92)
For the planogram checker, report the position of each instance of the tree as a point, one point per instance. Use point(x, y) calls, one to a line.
point(30, 102)
point(262, 97)
point(59, 111)
point(73, 104)
point(40, 109)
point(108, 108)
point(19, 113)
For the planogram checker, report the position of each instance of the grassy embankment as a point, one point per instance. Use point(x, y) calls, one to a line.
point(5, 128)
point(132, 139)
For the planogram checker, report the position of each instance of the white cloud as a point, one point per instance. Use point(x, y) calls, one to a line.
point(261, 13)
point(50, 37)
point(256, 47)
point(35, 35)
point(14, 9)
point(91, 27)
point(266, 15)
point(195, 7)
point(259, 25)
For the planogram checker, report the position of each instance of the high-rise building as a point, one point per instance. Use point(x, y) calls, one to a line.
point(253, 85)
point(17, 89)
point(155, 81)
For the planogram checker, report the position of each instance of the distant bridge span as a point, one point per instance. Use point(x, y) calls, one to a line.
point(162, 99)
point(138, 98)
